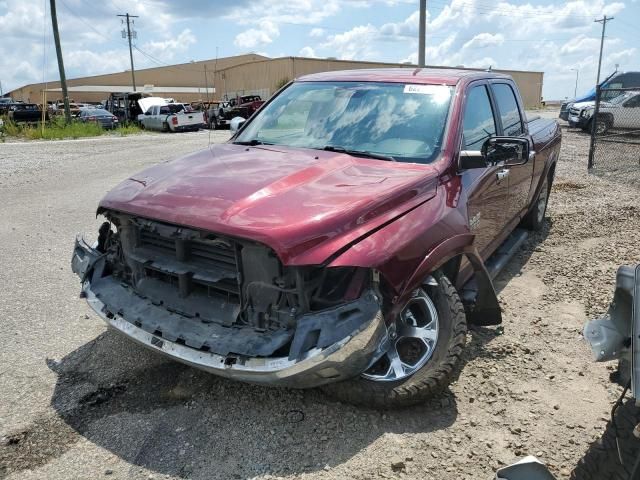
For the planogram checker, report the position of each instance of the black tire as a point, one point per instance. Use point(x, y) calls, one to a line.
point(601, 460)
point(430, 380)
point(165, 127)
point(534, 219)
point(602, 127)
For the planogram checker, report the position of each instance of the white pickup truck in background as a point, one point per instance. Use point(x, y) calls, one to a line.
point(621, 112)
point(172, 117)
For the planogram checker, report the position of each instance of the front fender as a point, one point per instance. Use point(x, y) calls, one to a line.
point(407, 250)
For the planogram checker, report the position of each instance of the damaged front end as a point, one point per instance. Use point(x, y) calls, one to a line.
point(229, 306)
point(616, 336)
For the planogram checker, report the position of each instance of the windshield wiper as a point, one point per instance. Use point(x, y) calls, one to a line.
point(253, 143)
point(358, 153)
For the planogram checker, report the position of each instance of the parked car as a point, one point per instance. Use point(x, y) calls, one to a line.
point(172, 117)
point(336, 239)
point(26, 113)
point(616, 80)
point(5, 104)
point(99, 116)
point(615, 336)
point(621, 112)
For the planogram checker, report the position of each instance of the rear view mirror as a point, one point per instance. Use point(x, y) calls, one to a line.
point(496, 151)
point(236, 123)
point(506, 150)
point(472, 159)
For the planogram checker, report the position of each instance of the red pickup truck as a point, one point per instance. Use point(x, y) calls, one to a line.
point(344, 237)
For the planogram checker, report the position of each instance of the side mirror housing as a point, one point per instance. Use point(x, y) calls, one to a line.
point(496, 151)
point(236, 123)
point(472, 159)
point(506, 150)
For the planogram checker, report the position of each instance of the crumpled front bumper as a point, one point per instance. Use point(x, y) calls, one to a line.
point(342, 360)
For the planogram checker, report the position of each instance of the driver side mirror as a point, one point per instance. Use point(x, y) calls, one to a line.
point(236, 123)
point(508, 151)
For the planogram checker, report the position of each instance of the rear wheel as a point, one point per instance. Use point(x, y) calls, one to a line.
point(534, 220)
point(423, 355)
point(165, 127)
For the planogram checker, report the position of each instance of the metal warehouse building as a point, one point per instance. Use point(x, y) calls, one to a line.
point(228, 77)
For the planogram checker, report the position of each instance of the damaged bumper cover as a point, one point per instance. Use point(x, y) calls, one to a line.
point(364, 337)
point(616, 336)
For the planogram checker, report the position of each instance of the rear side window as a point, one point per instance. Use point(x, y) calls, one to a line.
point(508, 108)
point(478, 123)
point(633, 103)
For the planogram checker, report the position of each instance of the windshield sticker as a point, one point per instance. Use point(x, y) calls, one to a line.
point(425, 89)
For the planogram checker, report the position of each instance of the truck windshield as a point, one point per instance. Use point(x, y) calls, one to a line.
point(404, 122)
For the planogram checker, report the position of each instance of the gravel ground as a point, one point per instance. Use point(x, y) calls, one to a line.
point(79, 401)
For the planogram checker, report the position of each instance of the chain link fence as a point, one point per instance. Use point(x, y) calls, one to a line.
point(614, 124)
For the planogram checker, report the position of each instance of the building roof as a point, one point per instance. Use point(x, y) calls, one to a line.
point(440, 76)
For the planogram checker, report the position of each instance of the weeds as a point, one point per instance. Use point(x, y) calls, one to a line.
point(56, 129)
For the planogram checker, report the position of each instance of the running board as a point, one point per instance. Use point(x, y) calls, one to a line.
point(496, 263)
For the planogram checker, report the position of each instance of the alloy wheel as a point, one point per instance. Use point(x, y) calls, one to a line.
point(413, 342)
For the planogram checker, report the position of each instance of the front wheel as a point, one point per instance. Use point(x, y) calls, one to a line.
point(426, 343)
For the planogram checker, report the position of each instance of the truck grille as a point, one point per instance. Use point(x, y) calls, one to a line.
point(194, 265)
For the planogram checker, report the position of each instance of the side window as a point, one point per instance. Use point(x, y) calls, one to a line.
point(508, 108)
point(478, 124)
point(633, 102)
point(164, 111)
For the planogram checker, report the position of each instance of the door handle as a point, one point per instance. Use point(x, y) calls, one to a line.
point(502, 174)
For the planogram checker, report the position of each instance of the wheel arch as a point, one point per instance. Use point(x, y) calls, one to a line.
point(447, 258)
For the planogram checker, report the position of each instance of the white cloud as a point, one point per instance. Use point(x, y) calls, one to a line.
point(308, 52)
point(169, 47)
point(257, 36)
point(317, 32)
point(354, 44)
point(483, 40)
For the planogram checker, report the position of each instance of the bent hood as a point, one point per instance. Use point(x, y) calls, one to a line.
point(304, 204)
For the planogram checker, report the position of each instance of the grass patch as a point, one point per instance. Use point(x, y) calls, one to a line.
point(127, 130)
point(56, 129)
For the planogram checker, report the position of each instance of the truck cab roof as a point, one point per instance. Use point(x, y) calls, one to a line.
point(440, 76)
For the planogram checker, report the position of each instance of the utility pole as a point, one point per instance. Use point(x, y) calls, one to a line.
point(422, 31)
point(596, 109)
point(575, 90)
point(603, 21)
point(63, 78)
point(129, 34)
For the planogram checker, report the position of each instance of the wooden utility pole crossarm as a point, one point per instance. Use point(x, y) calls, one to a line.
point(63, 78)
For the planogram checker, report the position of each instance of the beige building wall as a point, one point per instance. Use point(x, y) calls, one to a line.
point(243, 74)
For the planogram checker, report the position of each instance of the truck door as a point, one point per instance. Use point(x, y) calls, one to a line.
point(488, 190)
point(511, 124)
